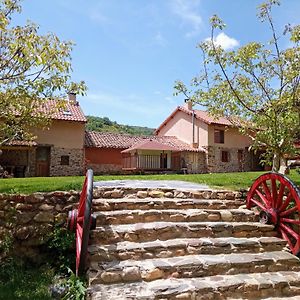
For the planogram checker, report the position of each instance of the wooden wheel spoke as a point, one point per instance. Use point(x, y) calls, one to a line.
point(80, 220)
point(289, 230)
point(81, 207)
point(288, 212)
point(280, 195)
point(286, 203)
point(285, 237)
point(274, 192)
point(292, 221)
point(267, 191)
point(263, 198)
point(259, 204)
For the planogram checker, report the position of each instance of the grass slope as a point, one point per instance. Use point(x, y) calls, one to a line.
point(232, 181)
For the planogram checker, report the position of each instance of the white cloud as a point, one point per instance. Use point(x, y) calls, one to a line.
point(224, 41)
point(186, 11)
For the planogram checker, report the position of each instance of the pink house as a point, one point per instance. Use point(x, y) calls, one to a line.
point(226, 149)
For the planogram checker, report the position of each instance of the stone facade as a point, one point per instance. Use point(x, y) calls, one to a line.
point(234, 164)
point(195, 162)
point(32, 163)
point(75, 166)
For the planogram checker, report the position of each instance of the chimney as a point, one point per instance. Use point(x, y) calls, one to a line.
point(72, 98)
point(188, 104)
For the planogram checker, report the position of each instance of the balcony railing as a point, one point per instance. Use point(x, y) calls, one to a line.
point(143, 162)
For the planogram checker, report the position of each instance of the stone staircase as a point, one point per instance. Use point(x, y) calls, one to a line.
point(168, 244)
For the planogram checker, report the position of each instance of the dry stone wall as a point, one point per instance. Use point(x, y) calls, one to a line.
point(27, 220)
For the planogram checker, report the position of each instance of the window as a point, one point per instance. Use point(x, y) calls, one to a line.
point(67, 112)
point(224, 156)
point(65, 160)
point(219, 136)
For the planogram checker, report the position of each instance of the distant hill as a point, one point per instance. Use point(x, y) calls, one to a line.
point(106, 125)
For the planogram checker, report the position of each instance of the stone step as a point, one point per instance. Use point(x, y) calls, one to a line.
point(281, 298)
point(145, 232)
point(179, 247)
point(245, 286)
point(163, 203)
point(174, 215)
point(190, 266)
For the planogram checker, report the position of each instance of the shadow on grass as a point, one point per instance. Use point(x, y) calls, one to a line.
point(24, 281)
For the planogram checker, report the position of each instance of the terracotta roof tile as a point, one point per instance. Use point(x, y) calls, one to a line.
point(71, 111)
point(124, 141)
point(109, 140)
point(20, 143)
point(199, 114)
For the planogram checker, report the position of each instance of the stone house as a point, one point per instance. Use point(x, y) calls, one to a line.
point(226, 149)
point(57, 150)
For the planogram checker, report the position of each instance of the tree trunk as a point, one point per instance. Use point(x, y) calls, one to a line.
point(279, 164)
point(276, 162)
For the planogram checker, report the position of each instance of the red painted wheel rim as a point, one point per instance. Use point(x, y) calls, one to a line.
point(278, 200)
point(83, 222)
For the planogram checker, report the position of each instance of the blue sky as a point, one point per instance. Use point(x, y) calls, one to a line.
point(130, 52)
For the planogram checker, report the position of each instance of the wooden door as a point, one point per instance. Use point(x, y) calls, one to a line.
point(42, 161)
point(241, 160)
point(163, 161)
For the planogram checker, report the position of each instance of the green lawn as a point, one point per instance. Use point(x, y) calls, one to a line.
point(45, 184)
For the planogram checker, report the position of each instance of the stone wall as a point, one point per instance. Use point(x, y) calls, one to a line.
point(28, 219)
point(75, 166)
point(30, 172)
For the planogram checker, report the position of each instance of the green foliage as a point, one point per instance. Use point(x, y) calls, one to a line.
point(106, 125)
point(60, 248)
point(33, 68)
point(6, 243)
point(23, 281)
point(255, 86)
point(6, 234)
point(76, 287)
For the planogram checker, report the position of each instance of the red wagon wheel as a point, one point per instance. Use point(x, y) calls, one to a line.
point(278, 200)
point(80, 221)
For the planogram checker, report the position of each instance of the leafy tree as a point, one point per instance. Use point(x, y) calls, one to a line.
point(33, 68)
point(255, 86)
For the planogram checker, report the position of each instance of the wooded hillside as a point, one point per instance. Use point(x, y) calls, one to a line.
point(106, 125)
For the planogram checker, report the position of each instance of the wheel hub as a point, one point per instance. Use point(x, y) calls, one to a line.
point(270, 216)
